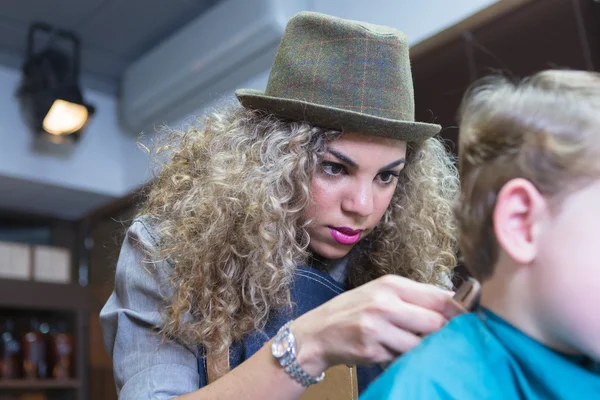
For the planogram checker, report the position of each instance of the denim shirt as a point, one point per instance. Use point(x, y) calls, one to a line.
point(145, 367)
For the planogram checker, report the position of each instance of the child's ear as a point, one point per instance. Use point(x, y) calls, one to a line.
point(518, 214)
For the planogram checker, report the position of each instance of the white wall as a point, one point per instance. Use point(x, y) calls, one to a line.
point(95, 166)
point(104, 165)
point(95, 169)
point(137, 169)
point(419, 19)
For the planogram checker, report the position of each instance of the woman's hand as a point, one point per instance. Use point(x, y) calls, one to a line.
point(371, 324)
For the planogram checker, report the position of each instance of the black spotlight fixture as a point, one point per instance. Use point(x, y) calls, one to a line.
point(49, 92)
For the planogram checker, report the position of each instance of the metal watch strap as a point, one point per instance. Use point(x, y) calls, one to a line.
point(290, 362)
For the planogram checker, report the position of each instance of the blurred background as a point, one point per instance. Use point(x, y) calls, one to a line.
point(81, 80)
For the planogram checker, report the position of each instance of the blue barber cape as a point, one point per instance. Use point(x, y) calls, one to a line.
point(481, 356)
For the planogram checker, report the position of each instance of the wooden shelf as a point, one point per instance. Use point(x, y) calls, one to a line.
point(23, 384)
point(42, 296)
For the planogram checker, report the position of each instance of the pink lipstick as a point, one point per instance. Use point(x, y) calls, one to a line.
point(344, 235)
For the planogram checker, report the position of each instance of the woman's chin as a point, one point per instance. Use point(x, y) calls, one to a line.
point(330, 251)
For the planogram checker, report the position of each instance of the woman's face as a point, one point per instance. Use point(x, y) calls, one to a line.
point(351, 190)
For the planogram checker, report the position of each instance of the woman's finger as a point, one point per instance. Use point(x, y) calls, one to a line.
point(420, 294)
point(414, 318)
point(398, 341)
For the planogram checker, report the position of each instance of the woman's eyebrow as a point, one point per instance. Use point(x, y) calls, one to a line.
point(393, 165)
point(349, 161)
point(343, 158)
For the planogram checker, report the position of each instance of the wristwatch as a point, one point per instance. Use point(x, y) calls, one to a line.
point(284, 351)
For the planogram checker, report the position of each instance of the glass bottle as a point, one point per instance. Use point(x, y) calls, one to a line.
point(61, 349)
point(10, 364)
point(35, 365)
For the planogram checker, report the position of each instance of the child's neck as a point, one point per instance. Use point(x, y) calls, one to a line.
point(508, 295)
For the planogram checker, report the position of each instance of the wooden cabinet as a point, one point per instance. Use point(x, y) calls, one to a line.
point(22, 300)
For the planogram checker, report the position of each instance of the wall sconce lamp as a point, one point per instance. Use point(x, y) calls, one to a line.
point(49, 92)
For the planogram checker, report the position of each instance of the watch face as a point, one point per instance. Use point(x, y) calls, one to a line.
point(280, 346)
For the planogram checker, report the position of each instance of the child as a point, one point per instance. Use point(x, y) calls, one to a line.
point(529, 214)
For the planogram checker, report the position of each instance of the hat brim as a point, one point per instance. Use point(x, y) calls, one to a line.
point(337, 118)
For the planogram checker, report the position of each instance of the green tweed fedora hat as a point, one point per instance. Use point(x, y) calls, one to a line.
point(342, 75)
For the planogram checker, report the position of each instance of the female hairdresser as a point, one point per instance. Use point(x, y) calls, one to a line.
point(303, 234)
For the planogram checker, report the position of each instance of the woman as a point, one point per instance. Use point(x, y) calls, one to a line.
point(275, 246)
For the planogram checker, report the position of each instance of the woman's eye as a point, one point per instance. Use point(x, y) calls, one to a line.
point(387, 177)
point(331, 168)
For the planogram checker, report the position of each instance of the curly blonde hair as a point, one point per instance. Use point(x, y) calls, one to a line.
point(228, 204)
